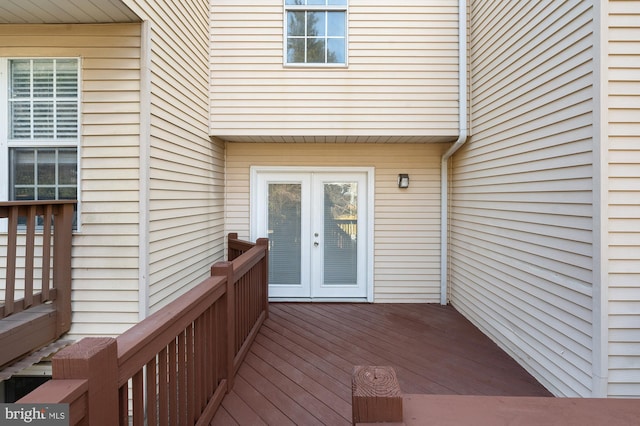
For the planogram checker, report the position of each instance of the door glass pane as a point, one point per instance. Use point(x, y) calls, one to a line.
point(285, 230)
point(340, 233)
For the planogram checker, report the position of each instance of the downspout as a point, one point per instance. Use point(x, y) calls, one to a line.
point(462, 138)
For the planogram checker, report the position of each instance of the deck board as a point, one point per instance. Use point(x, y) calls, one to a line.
point(298, 371)
point(26, 331)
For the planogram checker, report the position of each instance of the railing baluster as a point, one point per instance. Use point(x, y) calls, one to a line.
point(138, 398)
point(220, 351)
point(123, 405)
point(46, 252)
point(183, 392)
point(264, 276)
point(173, 384)
point(191, 387)
point(152, 392)
point(30, 244)
point(212, 358)
point(163, 388)
point(200, 370)
point(12, 241)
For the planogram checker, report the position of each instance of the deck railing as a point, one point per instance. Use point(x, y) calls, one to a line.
point(36, 290)
point(175, 366)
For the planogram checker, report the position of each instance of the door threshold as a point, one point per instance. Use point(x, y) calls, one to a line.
point(320, 299)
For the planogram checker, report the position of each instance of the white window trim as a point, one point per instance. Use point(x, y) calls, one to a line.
point(338, 8)
point(4, 134)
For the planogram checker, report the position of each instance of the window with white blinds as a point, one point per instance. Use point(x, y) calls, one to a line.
point(43, 99)
point(39, 141)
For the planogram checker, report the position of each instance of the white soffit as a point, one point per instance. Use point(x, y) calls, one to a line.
point(65, 12)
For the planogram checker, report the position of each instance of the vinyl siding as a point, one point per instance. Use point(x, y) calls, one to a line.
point(624, 198)
point(186, 169)
point(406, 222)
point(400, 85)
point(521, 198)
point(105, 249)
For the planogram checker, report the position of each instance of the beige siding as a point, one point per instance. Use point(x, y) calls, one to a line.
point(105, 252)
point(186, 170)
point(624, 198)
point(521, 229)
point(406, 222)
point(400, 86)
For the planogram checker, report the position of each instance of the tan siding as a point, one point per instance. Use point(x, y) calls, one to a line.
point(401, 83)
point(186, 169)
point(105, 252)
point(406, 222)
point(521, 230)
point(624, 198)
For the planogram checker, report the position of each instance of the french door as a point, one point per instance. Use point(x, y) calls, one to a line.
point(317, 227)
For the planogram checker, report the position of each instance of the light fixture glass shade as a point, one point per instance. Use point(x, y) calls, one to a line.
point(403, 180)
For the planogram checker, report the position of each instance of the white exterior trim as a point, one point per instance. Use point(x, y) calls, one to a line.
point(600, 296)
point(4, 150)
point(145, 135)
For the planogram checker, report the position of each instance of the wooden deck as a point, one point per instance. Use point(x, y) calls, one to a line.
point(298, 371)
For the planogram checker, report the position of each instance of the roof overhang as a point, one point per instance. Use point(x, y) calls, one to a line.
point(398, 139)
point(65, 12)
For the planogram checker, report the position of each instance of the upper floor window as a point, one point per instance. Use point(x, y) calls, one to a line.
point(39, 139)
point(316, 32)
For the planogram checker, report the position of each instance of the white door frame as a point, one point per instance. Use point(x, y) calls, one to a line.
point(369, 208)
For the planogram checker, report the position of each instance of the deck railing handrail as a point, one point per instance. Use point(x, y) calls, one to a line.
point(175, 366)
point(45, 236)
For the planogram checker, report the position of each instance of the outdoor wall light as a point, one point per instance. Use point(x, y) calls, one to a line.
point(403, 180)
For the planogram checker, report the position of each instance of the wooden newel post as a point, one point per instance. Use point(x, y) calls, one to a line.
point(265, 275)
point(225, 269)
point(94, 359)
point(376, 395)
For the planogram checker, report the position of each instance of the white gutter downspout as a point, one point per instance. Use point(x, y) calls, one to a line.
point(462, 138)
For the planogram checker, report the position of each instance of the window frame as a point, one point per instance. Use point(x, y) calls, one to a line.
point(316, 8)
point(6, 144)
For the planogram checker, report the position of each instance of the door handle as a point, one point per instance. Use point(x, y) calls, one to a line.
point(316, 244)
